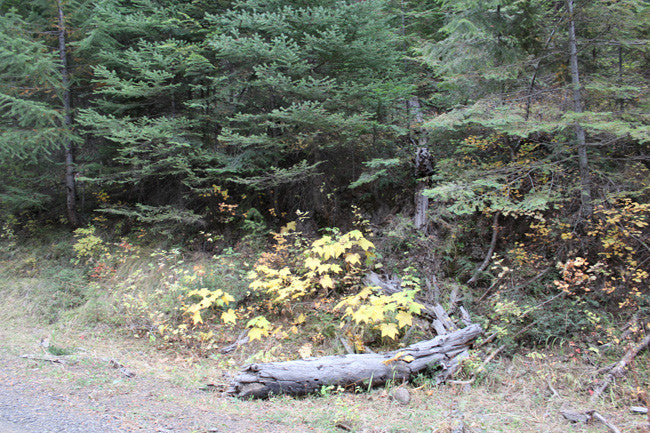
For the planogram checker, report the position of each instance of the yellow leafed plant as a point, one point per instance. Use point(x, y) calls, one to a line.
point(209, 299)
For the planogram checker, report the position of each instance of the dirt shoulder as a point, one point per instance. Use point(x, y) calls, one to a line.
point(87, 395)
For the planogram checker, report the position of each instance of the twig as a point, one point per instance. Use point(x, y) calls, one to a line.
point(605, 369)
point(494, 283)
point(453, 299)
point(241, 340)
point(542, 304)
point(485, 362)
point(346, 345)
point(630, 326)
point(619, 369)
point(604, 421)
point(464, 315)
point(488, 340)
point(117, 365)
point(54, 359)
point(532, 280)
point(553, 390)
point(585, 417)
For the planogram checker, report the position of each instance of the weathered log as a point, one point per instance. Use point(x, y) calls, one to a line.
point(369, 369)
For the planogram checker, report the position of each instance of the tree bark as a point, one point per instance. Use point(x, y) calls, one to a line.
point(422, 166)
point(371, 369)
point(70, 184)
point(586, 208)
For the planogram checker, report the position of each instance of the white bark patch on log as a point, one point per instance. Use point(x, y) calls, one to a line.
point(372, 369)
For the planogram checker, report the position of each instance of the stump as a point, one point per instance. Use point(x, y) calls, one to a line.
point(305, 376)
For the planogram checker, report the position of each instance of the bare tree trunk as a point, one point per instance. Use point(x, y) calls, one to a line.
point(422, 166)
point(70, 186)
point(583, 162)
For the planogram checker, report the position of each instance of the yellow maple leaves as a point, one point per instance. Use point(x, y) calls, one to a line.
point(399, 356)
point(320, 266)
point(209, 298)
point(353, 259)
point(229, 316)
point(329, 263)
point(326, 282)
point(259, 327)
point(371, 307)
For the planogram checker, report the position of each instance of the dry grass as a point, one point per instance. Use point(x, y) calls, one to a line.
point(523, 394)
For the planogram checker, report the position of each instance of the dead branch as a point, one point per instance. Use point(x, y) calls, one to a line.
point(48, 358)
point(619, 369)
point(240, 341)
point(587, 416)
point(604, 421)
point(119, 366)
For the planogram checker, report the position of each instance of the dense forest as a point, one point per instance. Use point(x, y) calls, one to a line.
point(488, 154)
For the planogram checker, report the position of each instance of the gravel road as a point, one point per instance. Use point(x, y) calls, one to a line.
point(91, 397)
point(27, 410)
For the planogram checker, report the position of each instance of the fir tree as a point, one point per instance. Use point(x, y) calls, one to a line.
point(148, 69)
point(308, 92)
point(34, 125)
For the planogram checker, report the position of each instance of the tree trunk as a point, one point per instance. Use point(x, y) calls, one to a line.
point(583, 163)
point(70, 185)
point(531, 86)
point(422, 166)
point(371, 369)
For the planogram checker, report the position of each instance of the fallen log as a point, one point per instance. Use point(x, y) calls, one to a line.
point(588, 416)
point(369, 369)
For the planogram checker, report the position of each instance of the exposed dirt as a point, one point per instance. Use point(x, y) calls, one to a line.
point(85, 394)
point(88, 395)
point(91, 397)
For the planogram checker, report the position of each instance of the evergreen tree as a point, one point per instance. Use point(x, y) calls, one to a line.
point(149, 67)
point(282, 99)
point(34, 131)
point(308, 92)
point(509, 88)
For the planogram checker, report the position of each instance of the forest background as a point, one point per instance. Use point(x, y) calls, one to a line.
point(188, 170)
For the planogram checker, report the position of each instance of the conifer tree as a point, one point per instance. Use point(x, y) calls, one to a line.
point(504, 76)
point(35, 128)
point(308, 92)
point(149, 66)
point(279, 98)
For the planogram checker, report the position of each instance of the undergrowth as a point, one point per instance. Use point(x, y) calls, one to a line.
point(296, 295)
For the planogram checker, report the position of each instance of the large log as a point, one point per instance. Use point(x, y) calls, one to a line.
point(371, 369)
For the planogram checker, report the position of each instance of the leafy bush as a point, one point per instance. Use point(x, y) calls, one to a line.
point(331, 267)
